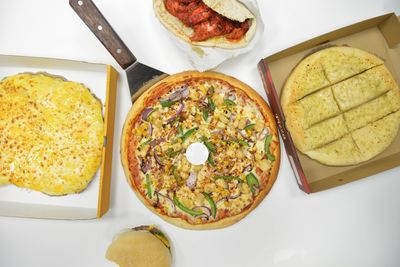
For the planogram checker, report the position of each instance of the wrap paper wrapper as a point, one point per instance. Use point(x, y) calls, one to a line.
point(205, 58)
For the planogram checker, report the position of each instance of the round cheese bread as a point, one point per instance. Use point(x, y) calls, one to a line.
point(342, 106)
point(224, 115)
point(51, 133)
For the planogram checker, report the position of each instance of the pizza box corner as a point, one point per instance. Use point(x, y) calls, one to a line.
point(93, 202)
point(380, 36)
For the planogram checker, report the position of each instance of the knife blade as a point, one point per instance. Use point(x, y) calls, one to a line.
point(140, 76)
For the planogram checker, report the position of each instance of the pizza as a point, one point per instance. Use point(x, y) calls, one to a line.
point(216, 112)
point(342, 106)
point(225, 24)
point(51, 133)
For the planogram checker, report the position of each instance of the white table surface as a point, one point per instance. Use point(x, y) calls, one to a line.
point(357, 224)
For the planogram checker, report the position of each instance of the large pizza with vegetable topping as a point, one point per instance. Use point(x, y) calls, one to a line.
point(225, 116)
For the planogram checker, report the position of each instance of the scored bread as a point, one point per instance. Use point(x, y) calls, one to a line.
point(363, 87)
point(313, 109)
point(318, 135)
point(377, 136)
point(342, 62)
point(373, 110)
point(307, 77)
point(340, 152)
point(333, 122)
point(326, 67)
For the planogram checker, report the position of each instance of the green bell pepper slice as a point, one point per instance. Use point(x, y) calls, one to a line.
point(171, 153)
point(267, 143)
point(180, 131)
point(211, 160)
point(209, 146)
point(188, 134)
point(206, 114)
point(212, 204)
point(177, 178)
point(167, 103)
point(148, 186)
point(194, 213)
point(229, 102)
point(252, 181)
point(249, 126)
point(243, 142)
point(211, 104)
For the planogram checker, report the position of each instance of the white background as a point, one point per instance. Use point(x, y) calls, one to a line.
point(357, 224)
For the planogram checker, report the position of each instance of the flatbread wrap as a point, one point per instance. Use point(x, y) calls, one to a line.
point(227, 24)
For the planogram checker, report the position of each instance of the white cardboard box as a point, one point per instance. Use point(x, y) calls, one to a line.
point(93, 202)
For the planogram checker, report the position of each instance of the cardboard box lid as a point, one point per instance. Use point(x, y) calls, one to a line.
point(381, 36)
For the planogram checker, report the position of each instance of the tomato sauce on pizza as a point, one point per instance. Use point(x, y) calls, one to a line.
point(230, 120)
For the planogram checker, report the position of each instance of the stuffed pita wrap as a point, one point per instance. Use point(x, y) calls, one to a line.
point(142, 246)
point(225, 24)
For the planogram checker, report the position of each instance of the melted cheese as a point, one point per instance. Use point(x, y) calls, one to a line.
point(51, 133)
point(224, 127)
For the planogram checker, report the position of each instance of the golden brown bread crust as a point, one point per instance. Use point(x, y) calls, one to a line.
point(162, 88)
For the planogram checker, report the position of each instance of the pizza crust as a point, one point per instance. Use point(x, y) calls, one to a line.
point(161, 88)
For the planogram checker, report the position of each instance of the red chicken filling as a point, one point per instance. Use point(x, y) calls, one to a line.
point(204, 21)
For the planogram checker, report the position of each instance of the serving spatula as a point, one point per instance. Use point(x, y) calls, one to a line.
point(140, 76)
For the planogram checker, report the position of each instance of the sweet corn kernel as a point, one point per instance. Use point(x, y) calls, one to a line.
point(258, 156)
point(220, 125)
point(199, 199)
point(193, 110)
point(242, 123)
point(209, 188)
point(259, 126)
point(230, 152)
point(264, 164)
point(239, 154)
point(244, 188)
point(218, 100)
point(221, 183)
point(224, 119)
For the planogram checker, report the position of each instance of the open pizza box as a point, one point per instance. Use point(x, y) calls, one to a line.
point(380, 36)
point(93, 202)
